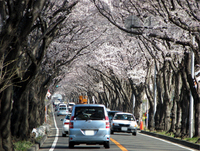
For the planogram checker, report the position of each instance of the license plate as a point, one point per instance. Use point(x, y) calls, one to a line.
point(89, 132)
point(124, 128)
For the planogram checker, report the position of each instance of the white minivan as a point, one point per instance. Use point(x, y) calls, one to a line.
point(89, 124)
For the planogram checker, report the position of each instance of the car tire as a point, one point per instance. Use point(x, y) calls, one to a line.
point(111, 132)
point(134, 133)
point(107, 144)
point(63, 135)
point(71, 145)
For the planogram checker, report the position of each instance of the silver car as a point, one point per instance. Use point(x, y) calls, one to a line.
point(62, 111)
point(124, 122)
point(89, 125)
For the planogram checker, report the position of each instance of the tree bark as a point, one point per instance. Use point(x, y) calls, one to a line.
point(5, 115)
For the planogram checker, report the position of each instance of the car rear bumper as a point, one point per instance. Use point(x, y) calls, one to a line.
point(65, 129)
point(89, 139)
point(98, 137)
point(62, 114)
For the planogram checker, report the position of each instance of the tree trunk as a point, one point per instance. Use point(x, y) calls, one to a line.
point(33, 109)
point(167, 115)
point(175, 117)
point(185, 113)
point(5, 114)
point(159, 109)
point(178, 120)
point(197, 118)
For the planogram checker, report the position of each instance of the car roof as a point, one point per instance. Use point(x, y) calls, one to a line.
point(62, 104)
point(124, 113)
point(114, 111)
point(71, 103)
point(79, 105)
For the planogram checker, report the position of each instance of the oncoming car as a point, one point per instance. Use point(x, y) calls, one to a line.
point(89, 125)
point(124, 122)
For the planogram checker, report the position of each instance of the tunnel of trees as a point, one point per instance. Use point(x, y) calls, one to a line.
point(113, 50)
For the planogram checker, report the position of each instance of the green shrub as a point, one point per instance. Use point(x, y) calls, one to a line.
point(22, 145)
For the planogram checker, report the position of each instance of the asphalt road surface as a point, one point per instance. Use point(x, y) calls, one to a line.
point(118, 142)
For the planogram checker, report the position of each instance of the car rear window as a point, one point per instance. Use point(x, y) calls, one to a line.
point(62, 108)
point(89, 113)
point(68, 117)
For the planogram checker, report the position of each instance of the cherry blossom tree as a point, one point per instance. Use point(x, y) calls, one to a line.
point(27, 28)
point(164, 27)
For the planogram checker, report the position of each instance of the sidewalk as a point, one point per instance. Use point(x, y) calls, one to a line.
point(47, 130)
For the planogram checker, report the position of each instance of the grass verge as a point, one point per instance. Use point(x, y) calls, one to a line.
point(192, 140)
point(22, 145)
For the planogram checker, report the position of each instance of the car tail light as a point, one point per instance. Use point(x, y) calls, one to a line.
point(107, 125)
point(107, 122)
point(71, 124)
point(66, 123)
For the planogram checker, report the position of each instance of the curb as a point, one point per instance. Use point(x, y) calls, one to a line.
point(38, 144)
point(174, 140)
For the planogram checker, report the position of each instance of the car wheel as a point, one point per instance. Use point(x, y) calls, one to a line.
point(107, 144)
point(134, 133)
point(71, 145)
point(112, 132)
point(63, 135)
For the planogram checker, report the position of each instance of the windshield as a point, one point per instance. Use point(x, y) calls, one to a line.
point(124, 117)
point(89, 113)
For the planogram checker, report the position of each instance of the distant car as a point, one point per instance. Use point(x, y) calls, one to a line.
point(111, 114)
point(124, 122)
point(70, 105)
point(62, 105)
point(89, 124)
point(65, 126)
point(62, 111)
point(56, 107)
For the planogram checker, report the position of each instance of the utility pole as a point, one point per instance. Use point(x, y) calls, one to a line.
point(155, 89)
point(191, 113)
point(133, 103)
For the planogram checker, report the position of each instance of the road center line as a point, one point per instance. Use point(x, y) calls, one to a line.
point(57, 133)
point(119, 145)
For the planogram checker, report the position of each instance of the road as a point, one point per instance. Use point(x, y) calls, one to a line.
point(118, 142)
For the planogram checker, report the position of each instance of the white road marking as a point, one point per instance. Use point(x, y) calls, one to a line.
point(57, 133)
point(168, 142)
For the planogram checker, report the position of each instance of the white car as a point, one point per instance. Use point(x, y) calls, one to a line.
point(124, 122)
point(65, 125)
